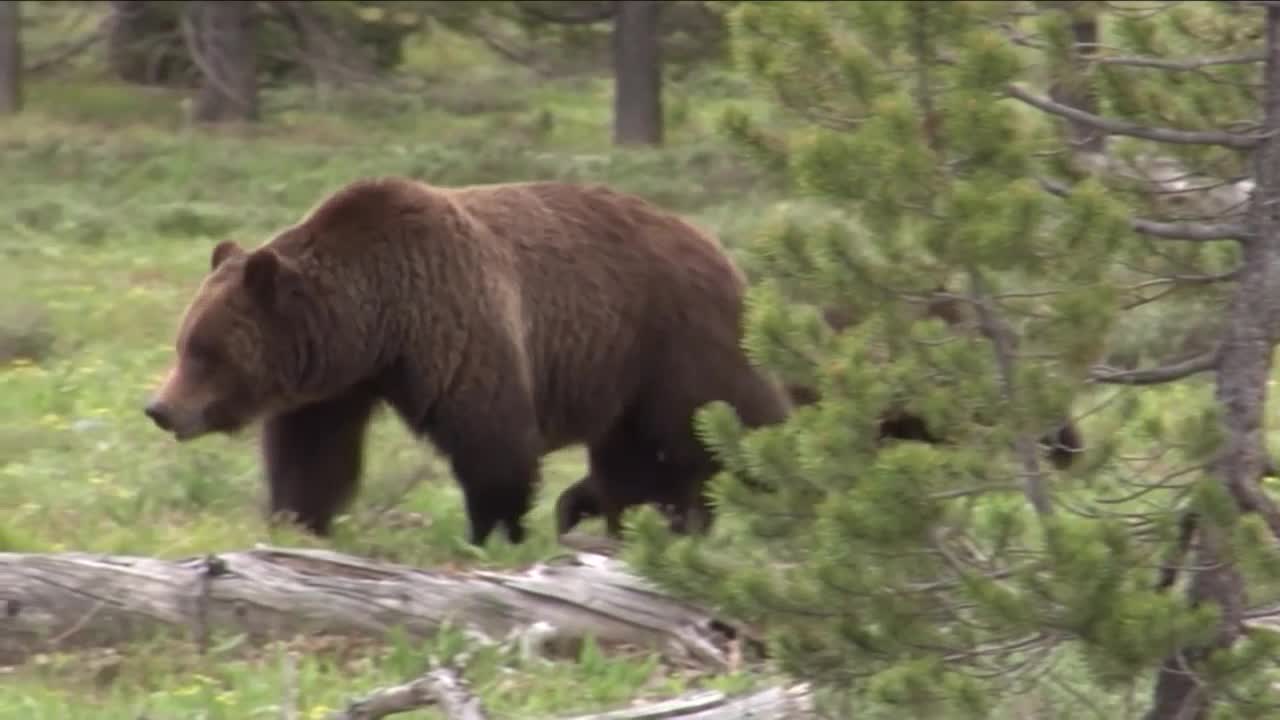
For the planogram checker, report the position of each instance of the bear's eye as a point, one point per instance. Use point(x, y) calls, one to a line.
point(202, 354)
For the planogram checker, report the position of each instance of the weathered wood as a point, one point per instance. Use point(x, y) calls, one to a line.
point(440, 687)
point(444, 688)
point(67, 600)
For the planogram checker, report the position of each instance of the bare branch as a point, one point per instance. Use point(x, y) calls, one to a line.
point(1157, 375)
point(1190, 231)
point(1034, 481)
point(1179, 280)
point(1180, 65)
point(1123, 127)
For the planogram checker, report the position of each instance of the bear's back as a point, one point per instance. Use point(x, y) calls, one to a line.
point(616, 295)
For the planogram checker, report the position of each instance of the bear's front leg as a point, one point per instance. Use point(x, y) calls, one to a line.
point(493, 446)
point(313, 457)
point(498, 480)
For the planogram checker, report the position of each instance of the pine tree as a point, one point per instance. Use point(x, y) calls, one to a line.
point(939, 578)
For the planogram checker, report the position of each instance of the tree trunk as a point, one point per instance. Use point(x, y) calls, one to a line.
point(220, 39)
point(81, 600)
point(1243, 370)
point(637, 74)
point(10, 58)
point(1071, 87)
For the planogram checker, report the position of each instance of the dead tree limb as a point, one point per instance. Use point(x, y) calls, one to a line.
point(64, 600)
point(1205, 362)
point(1124, 127)
point(441, 687)
point(444, 688)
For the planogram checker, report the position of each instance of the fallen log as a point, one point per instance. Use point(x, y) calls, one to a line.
point(443, 687)
point(70, 600)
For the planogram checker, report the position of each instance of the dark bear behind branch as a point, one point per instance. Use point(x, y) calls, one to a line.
point(583, 499)
point(1064, 444)
point(501, 322)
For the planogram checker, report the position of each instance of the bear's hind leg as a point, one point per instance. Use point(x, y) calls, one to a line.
point(313, 458)
point(1064, 444)
point(576, 503)
point(628, 469)
point(580, 501)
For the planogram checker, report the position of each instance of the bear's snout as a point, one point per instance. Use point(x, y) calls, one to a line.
point(182, 425)
point(159, 415)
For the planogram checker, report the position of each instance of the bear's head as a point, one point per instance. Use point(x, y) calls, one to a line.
point(236, 344)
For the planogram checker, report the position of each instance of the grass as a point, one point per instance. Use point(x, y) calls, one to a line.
point(111, 210)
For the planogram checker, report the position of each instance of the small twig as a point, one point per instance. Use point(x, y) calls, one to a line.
point(80, 625)
point(378, 513)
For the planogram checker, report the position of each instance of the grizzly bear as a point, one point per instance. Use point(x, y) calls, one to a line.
point(499, 322)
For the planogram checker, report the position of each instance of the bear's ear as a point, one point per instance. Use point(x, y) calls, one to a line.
point(222, 251)
point(269, 277)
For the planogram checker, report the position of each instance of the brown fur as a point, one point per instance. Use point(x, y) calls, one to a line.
point(501, 322)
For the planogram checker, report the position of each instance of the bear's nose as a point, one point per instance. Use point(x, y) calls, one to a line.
point(159, 415)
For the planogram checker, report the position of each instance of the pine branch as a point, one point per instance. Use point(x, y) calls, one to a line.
point(1190, 231)
point(1112, 126)
point(1157, 375)
point(1180, 65)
